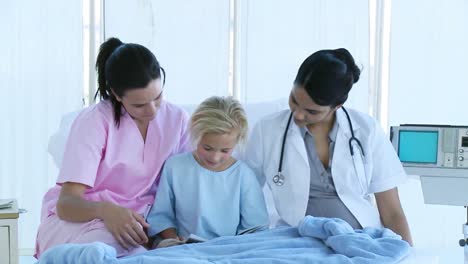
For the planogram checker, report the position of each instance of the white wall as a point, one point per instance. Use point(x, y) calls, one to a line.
point(41, 79)
point(429, 84)
point(429, 55)
point(277, 36)
point(189, 38)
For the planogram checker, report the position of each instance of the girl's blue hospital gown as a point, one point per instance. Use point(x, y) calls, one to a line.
point(206, 203)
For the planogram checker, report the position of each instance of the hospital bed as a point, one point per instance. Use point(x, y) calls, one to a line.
point(254, 113)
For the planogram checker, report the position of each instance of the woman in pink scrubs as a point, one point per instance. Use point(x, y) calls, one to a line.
point(114, 155)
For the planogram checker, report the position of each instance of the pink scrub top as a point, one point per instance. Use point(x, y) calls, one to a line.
point(114, 162)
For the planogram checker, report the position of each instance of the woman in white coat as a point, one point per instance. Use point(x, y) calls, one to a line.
point(312, 166)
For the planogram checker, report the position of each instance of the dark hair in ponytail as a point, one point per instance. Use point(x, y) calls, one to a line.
point(328, 76)
point(122, 67)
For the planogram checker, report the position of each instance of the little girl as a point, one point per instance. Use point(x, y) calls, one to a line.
point(207, 192)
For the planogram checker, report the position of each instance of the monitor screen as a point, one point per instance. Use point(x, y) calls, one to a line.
point(465, 142)
point(418, 146)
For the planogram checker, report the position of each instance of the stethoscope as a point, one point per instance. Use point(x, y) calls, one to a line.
point(278, 179)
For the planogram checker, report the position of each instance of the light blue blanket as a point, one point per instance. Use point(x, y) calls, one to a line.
point(315, 240)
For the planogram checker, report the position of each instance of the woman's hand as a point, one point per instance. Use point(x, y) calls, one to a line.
point(125, 225)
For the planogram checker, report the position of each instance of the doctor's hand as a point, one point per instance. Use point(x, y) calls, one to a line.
point(125, 225)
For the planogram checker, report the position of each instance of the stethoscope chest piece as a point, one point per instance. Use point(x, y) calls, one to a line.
point(278, 179)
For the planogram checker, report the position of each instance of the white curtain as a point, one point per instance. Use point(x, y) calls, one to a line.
point(189, 38)
point(428, 85)
point(41, 79)
point(276, 37)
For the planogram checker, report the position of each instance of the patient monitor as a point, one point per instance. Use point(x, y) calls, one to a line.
point(439, 155)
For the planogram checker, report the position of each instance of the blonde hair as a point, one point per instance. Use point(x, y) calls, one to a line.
point(219, 115)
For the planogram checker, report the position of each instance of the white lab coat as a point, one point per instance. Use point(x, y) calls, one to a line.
point(383, 170)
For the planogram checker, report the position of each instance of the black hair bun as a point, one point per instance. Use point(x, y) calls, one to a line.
point(347, 58)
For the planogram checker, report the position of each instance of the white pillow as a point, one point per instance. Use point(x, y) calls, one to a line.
point(58, 140)
point(255, 111)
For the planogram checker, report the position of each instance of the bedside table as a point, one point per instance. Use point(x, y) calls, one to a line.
point(9, 234)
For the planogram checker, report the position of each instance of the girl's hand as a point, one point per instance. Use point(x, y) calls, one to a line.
point(125, 225)
point(168, 242)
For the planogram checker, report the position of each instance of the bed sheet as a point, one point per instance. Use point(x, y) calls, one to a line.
point(315, 240)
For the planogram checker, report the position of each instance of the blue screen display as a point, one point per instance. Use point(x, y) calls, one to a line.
point(418, 146)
